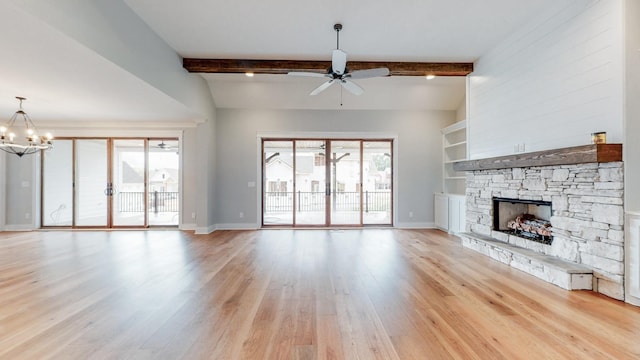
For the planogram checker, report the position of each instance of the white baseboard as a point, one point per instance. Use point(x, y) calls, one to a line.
point(26, 227)
point(188, 227)
point(426, 225)
point(205, 230)
point(237, 226)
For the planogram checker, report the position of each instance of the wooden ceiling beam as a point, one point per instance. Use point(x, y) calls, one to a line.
point(284, 66)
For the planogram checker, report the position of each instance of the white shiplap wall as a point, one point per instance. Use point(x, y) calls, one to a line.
point(552, 83)
point(632, 151)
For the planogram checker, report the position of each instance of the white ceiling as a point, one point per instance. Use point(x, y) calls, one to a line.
point(59, 75)
point(381, 30)
point(400, 30)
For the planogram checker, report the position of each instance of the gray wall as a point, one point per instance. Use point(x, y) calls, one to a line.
point(113, 30)
point(419, 164)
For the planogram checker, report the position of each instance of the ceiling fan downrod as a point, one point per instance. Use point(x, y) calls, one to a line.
point(337, 28)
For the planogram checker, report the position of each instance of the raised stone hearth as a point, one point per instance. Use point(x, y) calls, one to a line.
point(567, 275)
point(587, 220)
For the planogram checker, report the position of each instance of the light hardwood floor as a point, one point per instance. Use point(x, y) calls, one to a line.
point(285, 294)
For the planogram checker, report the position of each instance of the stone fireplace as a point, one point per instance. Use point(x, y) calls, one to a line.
point(579, 191)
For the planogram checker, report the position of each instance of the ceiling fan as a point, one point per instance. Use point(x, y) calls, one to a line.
point(338, 72)
point(164, 146)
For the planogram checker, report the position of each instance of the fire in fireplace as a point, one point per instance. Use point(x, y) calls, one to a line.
point(529, 219)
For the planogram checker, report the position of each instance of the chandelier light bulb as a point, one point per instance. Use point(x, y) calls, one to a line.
point(21, 123)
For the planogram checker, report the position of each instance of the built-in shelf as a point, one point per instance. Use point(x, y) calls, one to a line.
point(593, 153)
point(450, 205)
point(456, 144)
point(454, 149)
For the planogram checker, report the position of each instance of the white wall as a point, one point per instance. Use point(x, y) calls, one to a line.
point(461, 112)
point(632, 150)
point(419, 155)
point(632, 105)
point(551, 83)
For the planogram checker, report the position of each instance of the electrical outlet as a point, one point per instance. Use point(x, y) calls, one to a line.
point(193, 215)
point(27, 216)
point(410, 214)
point(241, 215)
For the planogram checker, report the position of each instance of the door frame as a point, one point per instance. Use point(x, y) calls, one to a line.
point(328, 136)
point(109, 165)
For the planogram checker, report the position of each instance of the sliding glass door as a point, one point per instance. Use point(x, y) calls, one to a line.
point(91, 183)
point(310, 183)
point(278, 183)
point(377, 181)
point(346, 190)
point(104, 183)
point(128, 183)
point(163, 192)
point(57, 185)
point(325, 182)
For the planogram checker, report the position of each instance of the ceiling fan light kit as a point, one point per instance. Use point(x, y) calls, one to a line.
point(338, 72)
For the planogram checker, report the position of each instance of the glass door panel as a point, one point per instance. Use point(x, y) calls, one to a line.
point(310, 185)
point(377, 183)
point(92, 183)
point(57, 185)
point(277, 162)
point(128, 178)
point(163, 196)
point(345, 182)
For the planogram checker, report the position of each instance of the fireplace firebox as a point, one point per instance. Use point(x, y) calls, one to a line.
point(529, 219)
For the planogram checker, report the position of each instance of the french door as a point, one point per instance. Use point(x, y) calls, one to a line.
point(108, 183)
point(327, 182)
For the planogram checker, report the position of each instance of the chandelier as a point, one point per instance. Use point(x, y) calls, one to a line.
point(19, 135)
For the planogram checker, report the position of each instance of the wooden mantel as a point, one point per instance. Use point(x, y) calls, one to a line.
point(594, 153)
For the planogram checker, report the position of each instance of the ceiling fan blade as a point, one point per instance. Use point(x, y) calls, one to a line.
point(338, 61)
point(321, 88)
point(352, 87)
point(369, 73)
point(307, 74)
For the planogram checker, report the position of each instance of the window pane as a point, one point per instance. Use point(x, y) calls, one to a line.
point(310, 182)
point(377, 180)
point(163, 198)
point(278, 180)
point(345, 182)
point(91, 182)
point(128, 182)
point(57, 189)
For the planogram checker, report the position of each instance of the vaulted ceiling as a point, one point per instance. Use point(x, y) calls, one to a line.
point(35, 61)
